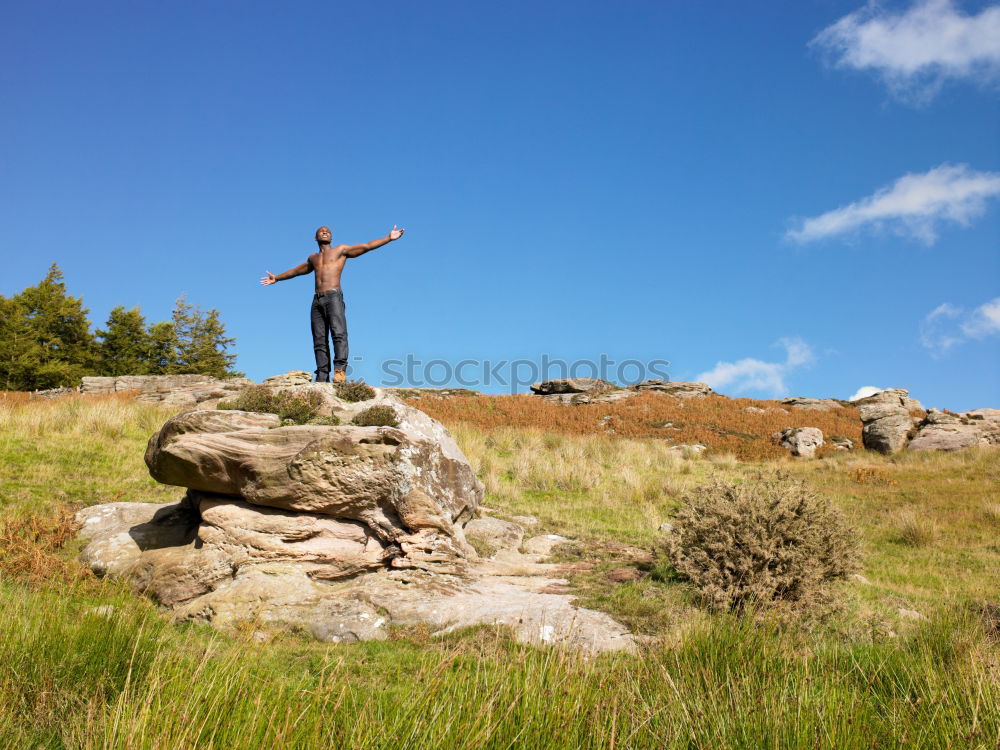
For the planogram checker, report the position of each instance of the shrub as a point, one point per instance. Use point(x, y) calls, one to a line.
point(291, 407)
point(331, 421)
point(767, 540)
point(354, 390)
point(377, 416)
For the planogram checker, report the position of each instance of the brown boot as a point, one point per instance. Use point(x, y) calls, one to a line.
point(339, 376)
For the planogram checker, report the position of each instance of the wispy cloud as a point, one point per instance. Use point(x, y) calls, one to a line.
point(914, 205)
point(947, 326)
point(915, 51)
point(865, 391)
point(757, 375)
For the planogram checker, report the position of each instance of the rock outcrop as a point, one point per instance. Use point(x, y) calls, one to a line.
point(819, 404)
point(339, 532)
point(680, 390)
point(946, 431)
point(888, 424)
point(577, 391)
point(180, 391)
point(801, 441)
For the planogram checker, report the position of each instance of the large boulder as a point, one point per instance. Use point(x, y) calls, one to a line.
point(888, 424)
point(801, 441)
point(945, 431)
point(397, 482)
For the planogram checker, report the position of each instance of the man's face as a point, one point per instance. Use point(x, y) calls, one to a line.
point(323, 234)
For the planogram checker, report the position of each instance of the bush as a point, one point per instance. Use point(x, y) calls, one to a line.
point(354, 390)
point(377, 416)
point(765, 541)
point(292, 408)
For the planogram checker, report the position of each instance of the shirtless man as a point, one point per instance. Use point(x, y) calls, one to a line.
point(328, 314)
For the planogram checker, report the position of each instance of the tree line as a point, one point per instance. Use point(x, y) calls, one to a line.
point(46, 340)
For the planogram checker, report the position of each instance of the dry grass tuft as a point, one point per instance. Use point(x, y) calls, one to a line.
point(31, 548)
point(871, 475)
point(723, 424)
point(914, 530)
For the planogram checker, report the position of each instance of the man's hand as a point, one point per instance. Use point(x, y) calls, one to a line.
point(395, 234)
point(269, 279)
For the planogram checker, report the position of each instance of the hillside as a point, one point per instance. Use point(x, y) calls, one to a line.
point(909, 659)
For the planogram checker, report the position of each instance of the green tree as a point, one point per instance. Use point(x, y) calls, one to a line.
point(201, 343)
point(162, 348)
point(45, 337)
point(126, 347)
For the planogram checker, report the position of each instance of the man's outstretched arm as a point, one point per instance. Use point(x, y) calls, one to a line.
point(297, 271)
point(355, 250)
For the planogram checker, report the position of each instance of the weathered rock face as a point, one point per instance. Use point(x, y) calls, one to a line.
point(222, 561)
point(680, 390)
point(944, 431)
point(293, 377)
point(577, 391)
point(571, 385)
point(801, 441)
point(819, 404)
point(887, 421)
point(398, 483)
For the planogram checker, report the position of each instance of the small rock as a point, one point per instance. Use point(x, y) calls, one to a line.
point(666, 528)
point(105, 610)
point(841, 443)
point(910, 614)
point(259, 636)
point(857, 577)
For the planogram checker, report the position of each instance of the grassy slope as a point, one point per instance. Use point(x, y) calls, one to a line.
point(71, 677)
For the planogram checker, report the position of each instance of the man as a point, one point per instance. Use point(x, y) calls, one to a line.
point(328, 314)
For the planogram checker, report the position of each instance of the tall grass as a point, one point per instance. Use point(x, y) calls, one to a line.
point(86, 664)
point(70, 677)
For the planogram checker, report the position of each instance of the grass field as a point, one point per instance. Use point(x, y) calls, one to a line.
point(84, 663)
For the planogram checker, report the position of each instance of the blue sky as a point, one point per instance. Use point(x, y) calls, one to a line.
point(789, 198)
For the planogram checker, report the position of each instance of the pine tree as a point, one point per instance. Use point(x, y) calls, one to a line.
point(45, 335)
point(162, 348)
point(126, 347)
point(201, 342)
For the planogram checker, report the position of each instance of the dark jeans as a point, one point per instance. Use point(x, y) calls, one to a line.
point(329, 318)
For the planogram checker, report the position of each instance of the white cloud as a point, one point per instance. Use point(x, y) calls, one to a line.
point(984, 320)
point(865, 391)
point(756, 375)
point(946, 326)
point(915, 51)
point(912, 206)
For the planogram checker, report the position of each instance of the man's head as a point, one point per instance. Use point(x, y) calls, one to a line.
point(323, 234)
